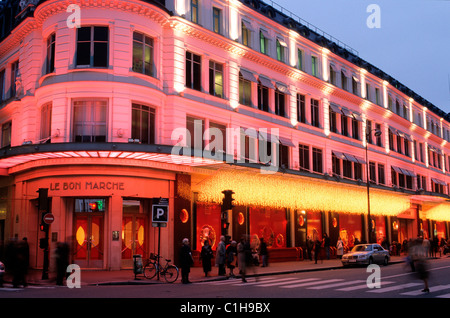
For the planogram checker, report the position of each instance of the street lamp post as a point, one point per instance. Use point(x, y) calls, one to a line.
point(369, 220)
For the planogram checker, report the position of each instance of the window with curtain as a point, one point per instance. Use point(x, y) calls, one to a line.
point(89, 121)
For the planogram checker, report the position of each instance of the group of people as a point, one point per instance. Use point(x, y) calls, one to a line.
point(234, 255)
point(314, 247)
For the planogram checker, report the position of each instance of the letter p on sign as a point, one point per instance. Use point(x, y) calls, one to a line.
point(160, 213)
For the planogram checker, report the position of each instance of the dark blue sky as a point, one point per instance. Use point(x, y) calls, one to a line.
point(412, 44)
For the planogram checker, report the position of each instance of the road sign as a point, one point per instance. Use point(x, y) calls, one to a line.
point(48, 218)
point(160, 213)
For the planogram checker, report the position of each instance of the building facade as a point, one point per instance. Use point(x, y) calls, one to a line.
point(116, 105)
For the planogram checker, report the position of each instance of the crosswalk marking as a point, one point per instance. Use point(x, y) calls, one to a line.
point(362, 286)
point(337, 284)
point(315, 283)
point(396, 287)
point(312, 283)
point(259, 282)
point(289, 282)
point(432, 289)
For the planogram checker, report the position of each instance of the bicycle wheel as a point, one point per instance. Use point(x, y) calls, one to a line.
point(171, 273)
point(150, 270)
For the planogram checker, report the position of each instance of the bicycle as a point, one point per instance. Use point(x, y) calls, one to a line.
point(153, 266)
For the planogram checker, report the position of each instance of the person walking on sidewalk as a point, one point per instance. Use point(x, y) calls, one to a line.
point(186, 261)
point(339, 248)
point(309, 247)
point(317, 250)
point(231, 255)
point(326, 245)
point(220, 256)
point(263, 252)
point(206, 255)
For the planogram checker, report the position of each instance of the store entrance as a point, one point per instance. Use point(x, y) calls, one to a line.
point(134, 231)
point(88, 223)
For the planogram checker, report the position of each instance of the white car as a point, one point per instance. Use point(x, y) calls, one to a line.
point(366, 254)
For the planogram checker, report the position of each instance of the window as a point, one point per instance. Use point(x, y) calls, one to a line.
point(2, 85)
point(301, 110)
point(369, 131)
point(372, 172)
point(263, 42)
point(314, 66)
point(6, 134)
point(421, 182)
point(368, 95)
point(355, 128)
point(215, 79)
point(283, 156)
point(14, 73)
point(336, 165)
point(217, 17)
point(300, 59)
point(303, 161)
point(378, 138)
point(354, 86)
point(333, 117)
point(263, 97)
point(280, 101)
point(381, 174)
point(196, 129)
point(92, 46)
point(377, 96)
point(344, 81)
point(406, 147)
point(89, 121)
point(245, 90)
point(332, 76)
point(315, 120)
point(194, 11)
point(46, 122)
point(246, 34)
point(317, 160)
point(347, 169)
point(344, 125)
point(143, 124)
point(391, 140)
point(142, 54)
point(217, 130)
point(50, 62)
point(281, 47)
point(193, 71)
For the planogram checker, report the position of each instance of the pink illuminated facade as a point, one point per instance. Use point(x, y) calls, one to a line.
point(92, 113)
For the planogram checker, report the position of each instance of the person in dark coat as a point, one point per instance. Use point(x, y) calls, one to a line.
point(186, 261)
point(317, 248)
point(231, 255)
point(263, 252)
point(206, 255)
point(62, 261)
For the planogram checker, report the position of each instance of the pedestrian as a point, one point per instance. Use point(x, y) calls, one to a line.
point(186, 261)
point(62, 261)
point(326, 245)
point(317, 249)
point(339, 248)
point(206, 255)
point(22, 262)
point(220, 256)
point(231, 255)
point(263, 252)
point(243, 251)
point(426, 246)
point(309, 247)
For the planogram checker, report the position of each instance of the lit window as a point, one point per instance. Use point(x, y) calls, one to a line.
point(142, 54)
point(216, 79)
point(89, 121)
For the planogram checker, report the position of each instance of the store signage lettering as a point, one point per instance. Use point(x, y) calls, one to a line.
point(87, 185)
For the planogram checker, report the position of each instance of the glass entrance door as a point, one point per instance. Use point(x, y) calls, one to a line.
point(88, 250)
point(134, 231)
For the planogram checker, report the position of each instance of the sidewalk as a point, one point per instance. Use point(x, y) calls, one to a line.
point(127, 277)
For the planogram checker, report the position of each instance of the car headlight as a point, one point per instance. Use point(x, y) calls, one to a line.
point(362, 256)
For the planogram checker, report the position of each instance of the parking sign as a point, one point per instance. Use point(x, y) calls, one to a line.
point(160, 213)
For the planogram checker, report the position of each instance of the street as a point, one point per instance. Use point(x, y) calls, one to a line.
point(396, 281)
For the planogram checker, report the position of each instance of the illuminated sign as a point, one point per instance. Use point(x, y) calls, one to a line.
point(87, 185)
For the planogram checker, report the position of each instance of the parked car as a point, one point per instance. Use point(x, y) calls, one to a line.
point(366, 254)
point(2, 273)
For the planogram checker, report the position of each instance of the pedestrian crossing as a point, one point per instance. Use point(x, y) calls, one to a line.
point(411, 289)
